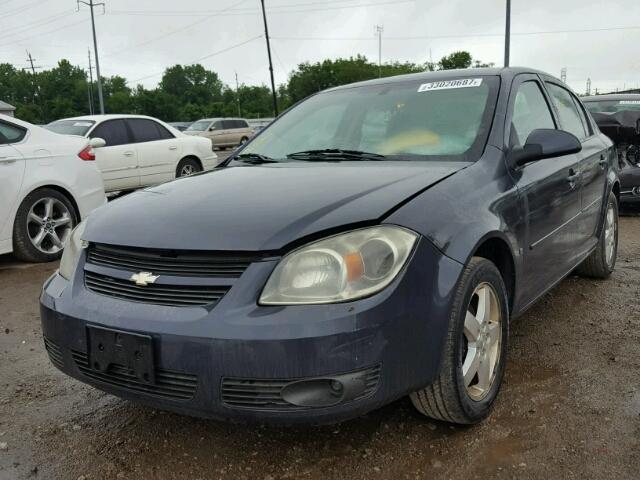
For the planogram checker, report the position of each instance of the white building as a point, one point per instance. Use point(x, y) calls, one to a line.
point(6, 109)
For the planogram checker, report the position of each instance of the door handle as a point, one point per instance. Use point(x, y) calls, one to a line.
point(173, 147)
point(573, 177)
point(128, 154)
point(603, 162)
point(7, 160)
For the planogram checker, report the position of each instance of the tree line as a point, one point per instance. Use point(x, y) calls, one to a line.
point(189, 92)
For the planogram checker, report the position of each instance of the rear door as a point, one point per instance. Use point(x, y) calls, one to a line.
point(230, 132)
point(158, 151)
point(593, 162)
point(550, 190)
point(118, 159)
point(12, 167)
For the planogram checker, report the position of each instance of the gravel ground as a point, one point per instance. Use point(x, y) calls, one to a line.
point(569, 407)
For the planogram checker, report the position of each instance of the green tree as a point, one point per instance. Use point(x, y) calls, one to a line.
point(460, 59)
point(311, 78)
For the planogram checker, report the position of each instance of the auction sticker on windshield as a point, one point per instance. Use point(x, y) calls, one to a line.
point(446, 84)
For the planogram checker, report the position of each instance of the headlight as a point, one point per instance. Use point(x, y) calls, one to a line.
point(71, 252)
point(341, 268)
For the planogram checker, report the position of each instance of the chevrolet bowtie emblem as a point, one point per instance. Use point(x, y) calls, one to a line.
point(144, 278)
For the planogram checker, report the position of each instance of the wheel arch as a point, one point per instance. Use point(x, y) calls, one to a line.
point(496, 248)
point(190, 156)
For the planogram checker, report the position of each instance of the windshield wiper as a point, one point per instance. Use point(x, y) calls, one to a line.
point(254, 158)
point(335, 154)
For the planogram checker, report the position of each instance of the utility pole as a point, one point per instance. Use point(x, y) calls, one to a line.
point(90, 83)
point(238, 95)
point(273, 83)
point(378, 29)
point(91, 5)
point(36, 95)
point(507, 35)
point(588, 86)
point(563, 75)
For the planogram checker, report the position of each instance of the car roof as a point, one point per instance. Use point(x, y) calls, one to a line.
point(503, 72)
point(108, 116)
point(214, 119)
point(611, 97)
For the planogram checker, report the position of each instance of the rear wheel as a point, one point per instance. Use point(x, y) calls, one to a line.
point(43, 223)
point(187, 167)
point(243, 140)
point(475, 350)
point(602, 261)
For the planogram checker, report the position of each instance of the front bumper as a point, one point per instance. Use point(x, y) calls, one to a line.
point(389, 343)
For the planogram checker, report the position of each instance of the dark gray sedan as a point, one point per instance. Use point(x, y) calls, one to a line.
point(373, 242)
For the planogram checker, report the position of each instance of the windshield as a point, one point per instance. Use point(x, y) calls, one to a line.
point(612, 106)
point(199, 126)
point(417, 120)
point(71, 127)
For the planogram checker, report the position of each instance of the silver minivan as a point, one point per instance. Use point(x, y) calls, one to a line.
point(223, 132)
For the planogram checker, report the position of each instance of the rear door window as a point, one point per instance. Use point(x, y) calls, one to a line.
point(228, 124)
point(113, 132)
point(144, 130)
point(570, 119)
point(11, 133)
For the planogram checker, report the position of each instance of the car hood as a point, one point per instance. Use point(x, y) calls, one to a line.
point(261, 207)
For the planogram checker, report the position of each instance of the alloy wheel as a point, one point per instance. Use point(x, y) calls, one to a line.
point(187, 170)
point(610, 234)
point(482, 338)
point(49, 223)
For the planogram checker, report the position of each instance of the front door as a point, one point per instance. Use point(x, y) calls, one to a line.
point(217, 134)
point(118, 159)
point(549, 191)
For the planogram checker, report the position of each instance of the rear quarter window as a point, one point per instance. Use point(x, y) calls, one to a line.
point(11, 133)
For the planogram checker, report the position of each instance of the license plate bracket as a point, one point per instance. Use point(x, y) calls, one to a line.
point(131, 351)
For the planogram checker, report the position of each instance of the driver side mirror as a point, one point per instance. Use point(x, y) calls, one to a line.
point(211, 129)
point(545, 143)
point(97, 142)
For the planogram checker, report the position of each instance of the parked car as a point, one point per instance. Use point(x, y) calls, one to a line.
point(223, 132)
point(48, 184)
point(138, 151)
point(373, 242)
point(180, 126)
point(257, 124)
point(618, 117)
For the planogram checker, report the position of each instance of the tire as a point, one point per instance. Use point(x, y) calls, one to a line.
point(449, 398)
point(602, 261)
point(243, 140)
point(187, 167)
point(43, 223)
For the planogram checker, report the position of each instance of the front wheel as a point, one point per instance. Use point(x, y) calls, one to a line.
point(602, 261)
point(475, 350)
point(243, 140)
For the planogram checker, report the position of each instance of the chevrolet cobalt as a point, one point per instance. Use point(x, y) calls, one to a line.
point(373, 242)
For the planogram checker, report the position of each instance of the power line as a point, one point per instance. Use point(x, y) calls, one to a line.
point(23, 27)
point(63, 27)
point(466, 35)
point(22, 8)
point(172, 32)
point(251, 12)
point(201, 58)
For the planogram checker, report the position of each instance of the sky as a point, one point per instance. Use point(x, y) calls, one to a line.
point(594, 40)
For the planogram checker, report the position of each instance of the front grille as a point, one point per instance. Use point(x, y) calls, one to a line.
point(169, 262)
point(169, 384)
point(264, 394)
point(55, 354)
point(157, 294)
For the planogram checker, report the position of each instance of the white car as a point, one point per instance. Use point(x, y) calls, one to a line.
point(48, 183)
point(139, 151)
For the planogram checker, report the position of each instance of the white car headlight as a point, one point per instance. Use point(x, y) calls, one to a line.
point(345, 267)
point(71, 252)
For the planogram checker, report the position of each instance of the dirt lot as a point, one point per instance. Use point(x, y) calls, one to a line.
point(569, 407)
